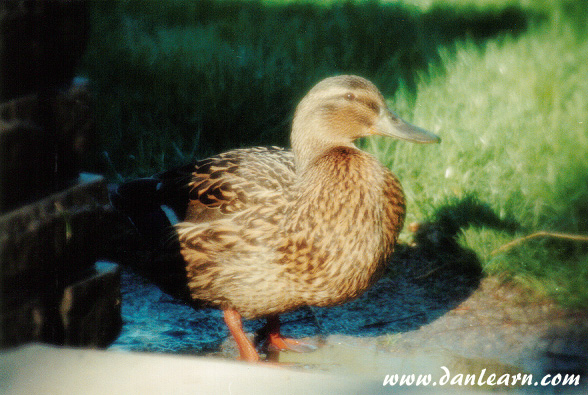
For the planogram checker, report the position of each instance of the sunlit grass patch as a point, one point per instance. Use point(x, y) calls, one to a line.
point(513, 121)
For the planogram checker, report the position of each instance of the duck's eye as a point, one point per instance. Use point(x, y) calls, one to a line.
point(350, 96)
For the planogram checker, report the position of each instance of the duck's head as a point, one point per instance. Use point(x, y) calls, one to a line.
point(338, 110)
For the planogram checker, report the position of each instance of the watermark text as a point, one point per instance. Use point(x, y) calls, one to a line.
point(481, 379)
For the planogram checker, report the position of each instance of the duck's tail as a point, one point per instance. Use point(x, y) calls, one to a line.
point(154, 204)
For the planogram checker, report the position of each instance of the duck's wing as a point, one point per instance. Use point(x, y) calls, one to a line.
point(208, 189)
point(238, 180)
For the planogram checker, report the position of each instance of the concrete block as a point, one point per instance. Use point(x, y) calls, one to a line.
point(36, 369)
point(42, 142)
point(74, 128)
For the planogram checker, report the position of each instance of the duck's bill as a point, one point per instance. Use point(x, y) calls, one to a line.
point(392, 126)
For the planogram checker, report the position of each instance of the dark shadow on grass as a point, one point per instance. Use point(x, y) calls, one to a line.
point(154, 99)
point(435, 246)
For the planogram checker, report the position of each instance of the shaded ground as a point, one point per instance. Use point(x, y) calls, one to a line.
point(155, 321)
point(397, 326)
point(421, 285)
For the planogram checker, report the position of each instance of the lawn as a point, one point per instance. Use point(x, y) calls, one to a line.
point(504, 83)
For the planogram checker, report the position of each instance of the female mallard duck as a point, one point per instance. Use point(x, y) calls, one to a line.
point(268, 230)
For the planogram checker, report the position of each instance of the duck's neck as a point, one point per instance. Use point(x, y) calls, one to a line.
point(311, 139)
point(306, 154)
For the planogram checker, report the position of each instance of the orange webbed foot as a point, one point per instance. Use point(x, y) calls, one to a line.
point(276, 342)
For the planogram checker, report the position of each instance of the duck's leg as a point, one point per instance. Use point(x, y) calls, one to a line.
point(276, 341)
point(235, 325)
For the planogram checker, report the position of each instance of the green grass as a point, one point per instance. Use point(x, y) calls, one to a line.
point(503, 82)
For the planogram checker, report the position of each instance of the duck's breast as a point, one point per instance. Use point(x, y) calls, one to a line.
point(343, 227)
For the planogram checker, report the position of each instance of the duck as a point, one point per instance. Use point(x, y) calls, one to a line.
point(266, 230)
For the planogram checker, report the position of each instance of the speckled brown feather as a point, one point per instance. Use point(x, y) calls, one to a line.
point(230, 182)
point(268, 230)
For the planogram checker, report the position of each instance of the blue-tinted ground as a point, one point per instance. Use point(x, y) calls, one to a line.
point(155, 321)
